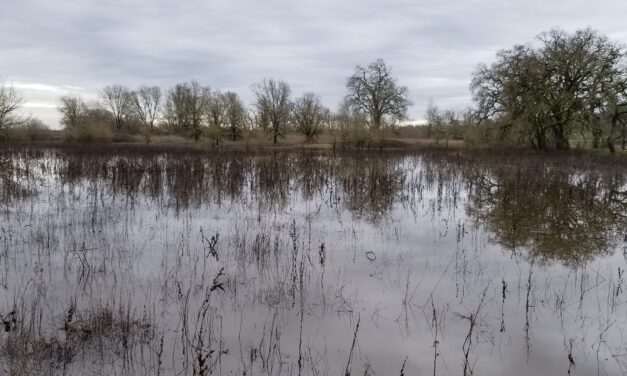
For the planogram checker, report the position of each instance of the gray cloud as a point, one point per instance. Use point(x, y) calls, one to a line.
point(53, 47)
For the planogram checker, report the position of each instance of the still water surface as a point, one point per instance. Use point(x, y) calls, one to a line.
point(313, 264)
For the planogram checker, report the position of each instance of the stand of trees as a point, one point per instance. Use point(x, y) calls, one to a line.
point(543, 94)
point(550, 94)
point(374, 99)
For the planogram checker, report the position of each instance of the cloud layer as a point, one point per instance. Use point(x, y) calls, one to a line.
point(53, 47)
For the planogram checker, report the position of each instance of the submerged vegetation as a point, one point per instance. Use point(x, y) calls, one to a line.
point(145, 262)
point(177, 231)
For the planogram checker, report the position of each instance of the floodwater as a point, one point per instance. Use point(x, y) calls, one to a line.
point(439, 263)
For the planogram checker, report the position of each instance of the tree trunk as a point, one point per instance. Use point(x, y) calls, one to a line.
point(561, 143)
point(561, 140)
point(610, 144)
point(596, 138)
point(540, 139)
point(376, 120)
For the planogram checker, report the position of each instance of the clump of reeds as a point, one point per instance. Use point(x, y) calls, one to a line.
point(103, 332)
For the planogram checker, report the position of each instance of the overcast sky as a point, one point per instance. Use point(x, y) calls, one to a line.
point(51, 47)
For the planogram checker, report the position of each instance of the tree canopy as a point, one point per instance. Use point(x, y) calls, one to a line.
point(374, 91)
point(544, 92)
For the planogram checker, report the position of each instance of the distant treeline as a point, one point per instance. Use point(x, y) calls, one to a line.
point(562, 90)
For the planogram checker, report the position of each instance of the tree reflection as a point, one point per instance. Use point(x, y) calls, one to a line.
point(555, 215)
point(371, 186)
point(367, 186)
point(554, 211)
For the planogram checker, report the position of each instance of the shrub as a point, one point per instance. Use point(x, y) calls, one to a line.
point(33, 130)
point(92, 133)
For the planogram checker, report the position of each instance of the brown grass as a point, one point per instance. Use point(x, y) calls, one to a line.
point(103, 331)
point(92, 133)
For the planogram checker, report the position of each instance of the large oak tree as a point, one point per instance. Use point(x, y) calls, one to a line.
point(546, 91)
point(374, 91)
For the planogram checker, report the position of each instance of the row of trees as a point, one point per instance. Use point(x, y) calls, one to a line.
point(545, 94)
point(374, 99)
point(439, 122)
point(187, 106)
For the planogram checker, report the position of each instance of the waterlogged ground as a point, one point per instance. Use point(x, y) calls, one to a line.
point(445, 263)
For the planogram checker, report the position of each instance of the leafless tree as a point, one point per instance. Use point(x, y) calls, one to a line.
point(147, 102)
point(185, 107)
point(73, 110)
point(95, 114)
point(309, 115)
point(216, 114)
point(348, 116)
point(236, 114)
point(434, 119)
point(374, 91)
point(273, 107)
point(196, 104)
point(117, 100)
point(349, 123)
point(175, 108)
point(11, 101)
point(451, 117)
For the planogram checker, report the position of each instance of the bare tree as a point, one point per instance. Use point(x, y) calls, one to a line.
point(95, 114)
point(350, 123)
point(185, 107)
point(273, 107)
point(309, 115)
point(175, 109)
point(451, 117)
point(147, 106)
point(434, 119)
point(216, 115)
point(196, 104)
point(73, 110)
point(117, 100)
point(236, 114)
point(11, 101)
point(374, 91)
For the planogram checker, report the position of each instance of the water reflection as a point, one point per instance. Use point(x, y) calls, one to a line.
point(570, 217)
point(367, 186)
point(287, 246)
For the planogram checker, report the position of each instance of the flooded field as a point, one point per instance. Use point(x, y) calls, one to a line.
point(434, 263)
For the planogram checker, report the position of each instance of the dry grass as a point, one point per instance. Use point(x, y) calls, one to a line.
point(93, 133)
point(30, 132)
point(101, 332)
point(267, 273)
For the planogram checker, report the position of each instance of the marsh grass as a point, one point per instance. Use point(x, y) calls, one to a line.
point(100, 333)
point(155, 260)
